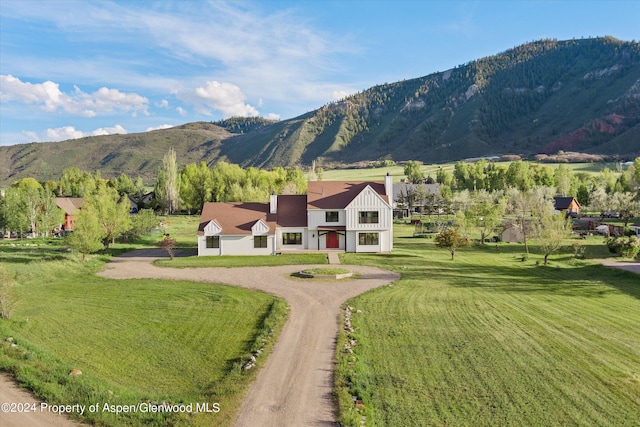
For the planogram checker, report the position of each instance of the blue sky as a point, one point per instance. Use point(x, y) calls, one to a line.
point(78, 68)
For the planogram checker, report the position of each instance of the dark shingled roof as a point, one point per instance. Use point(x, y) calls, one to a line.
point(564, 202)
point(292, 211)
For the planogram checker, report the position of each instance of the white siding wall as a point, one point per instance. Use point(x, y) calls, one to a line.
point(384, 242)
point(369, 200)
point(236, 245)
point(312, 239)
point(280, 246)
point(318, 217)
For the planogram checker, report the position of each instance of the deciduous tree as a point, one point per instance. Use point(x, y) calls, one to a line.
point(451, 239)
point(112, 215)
point(87, 233)
point(196, 186)
point(554, 229)
point(168, 183)
point(413, 172)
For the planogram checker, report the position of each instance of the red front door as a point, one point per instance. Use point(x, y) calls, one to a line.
point(332, 240)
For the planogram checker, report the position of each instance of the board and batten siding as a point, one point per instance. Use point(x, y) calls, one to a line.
point(369, 200)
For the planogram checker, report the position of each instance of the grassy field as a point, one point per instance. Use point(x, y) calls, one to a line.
point(488, 339)
point(377, 174)
point(244, 261)
point(134, 340)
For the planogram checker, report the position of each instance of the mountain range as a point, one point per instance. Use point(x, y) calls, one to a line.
point(541, 97)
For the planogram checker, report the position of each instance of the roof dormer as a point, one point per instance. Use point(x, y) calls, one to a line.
point(212, 228)
point(260, 228)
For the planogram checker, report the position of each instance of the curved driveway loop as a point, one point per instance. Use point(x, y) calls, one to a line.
point(295, 386)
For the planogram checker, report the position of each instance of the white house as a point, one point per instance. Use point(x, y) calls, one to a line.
point(340, 215)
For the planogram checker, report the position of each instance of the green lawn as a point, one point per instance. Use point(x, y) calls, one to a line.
point(490, 340)
point(134, 340)
point(377, 174)
point(243, 261)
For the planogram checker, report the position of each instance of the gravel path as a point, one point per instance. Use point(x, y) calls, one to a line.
point(633, 266)
point(295, 386)
point(11, 393)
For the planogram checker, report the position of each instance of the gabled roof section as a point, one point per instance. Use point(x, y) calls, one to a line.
point(368, 197)
point(212, 228)
point(292, 211)
point(338, 194)
point(405, 188)
point(70, 205)
point(564, 202)
point(236, 217)
point(260, 228)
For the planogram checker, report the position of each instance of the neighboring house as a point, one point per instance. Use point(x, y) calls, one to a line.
point(133, 204)
point(405, 201)
point(70, 206)
point(568, 205)
point(348, 216)
point(635, 228)
point(147, 199)
point(511, 234)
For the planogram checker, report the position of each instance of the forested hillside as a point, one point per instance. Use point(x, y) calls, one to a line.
point(541, 97)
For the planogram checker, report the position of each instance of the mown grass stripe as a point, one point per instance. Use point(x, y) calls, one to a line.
point(491, 340)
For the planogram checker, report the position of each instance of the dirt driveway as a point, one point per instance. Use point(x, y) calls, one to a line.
point(633, 266)
point(36, 417)
point(295, 386)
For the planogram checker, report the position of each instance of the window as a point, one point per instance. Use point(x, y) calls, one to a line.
point(369, 239)
point(260, 241)
point(332, 216)
point(213, 242)
point(291, 238)
point(368, 217)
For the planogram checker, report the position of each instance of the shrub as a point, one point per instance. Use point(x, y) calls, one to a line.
point(627, 248)
point(631, 247)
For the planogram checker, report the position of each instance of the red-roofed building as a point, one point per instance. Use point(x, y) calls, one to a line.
point(71, 206)
point(348, 216)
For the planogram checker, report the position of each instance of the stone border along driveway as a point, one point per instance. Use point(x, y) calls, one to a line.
point(295, 386)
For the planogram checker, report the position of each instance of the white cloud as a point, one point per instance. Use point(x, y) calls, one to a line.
point(49, 96)
point(60, 134)
point(162, 104)
point(224, 97)
point(273, 116)
point(181, 111)
point(164, 126)
point(277, 53)
point(108, 131)
point(339, 94)
point(70, 132)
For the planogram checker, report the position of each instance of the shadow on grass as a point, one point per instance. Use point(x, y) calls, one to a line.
point(576, 281)
point(503, 270)
point(26, 254)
